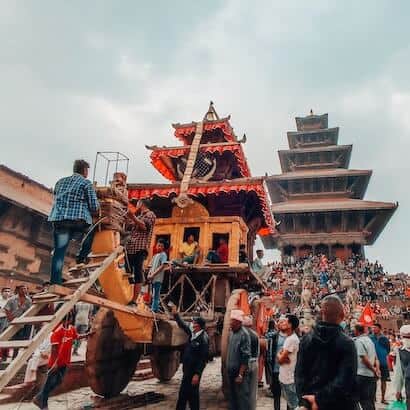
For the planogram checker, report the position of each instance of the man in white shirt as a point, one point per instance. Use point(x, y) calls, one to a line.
point(287, 358)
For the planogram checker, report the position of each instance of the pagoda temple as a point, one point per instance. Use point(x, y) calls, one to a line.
point(209, 168)
point(317, 201)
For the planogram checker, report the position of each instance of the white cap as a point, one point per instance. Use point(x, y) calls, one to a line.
point(237, 314)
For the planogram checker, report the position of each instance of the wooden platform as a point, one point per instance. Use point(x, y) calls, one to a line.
point(214, 269)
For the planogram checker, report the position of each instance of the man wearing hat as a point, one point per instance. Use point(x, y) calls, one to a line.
point(194, 359)
point(237, 362)
point(401, 375)
point(253, 361)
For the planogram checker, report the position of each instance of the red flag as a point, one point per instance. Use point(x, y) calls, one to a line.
point(366, 318)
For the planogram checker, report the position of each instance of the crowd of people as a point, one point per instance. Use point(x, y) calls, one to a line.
point(358, 281)
point(326, 369)
point(333, 363)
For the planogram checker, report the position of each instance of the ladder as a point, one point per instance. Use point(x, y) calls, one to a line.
point(182, 200)
point(49, 322)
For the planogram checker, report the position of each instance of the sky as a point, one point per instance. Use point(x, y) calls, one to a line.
point(80, 77)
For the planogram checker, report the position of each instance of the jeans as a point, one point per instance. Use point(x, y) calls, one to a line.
point(188, 394)
point(156, 290)
point(366, 387)
point(64, 232)
point(289, 392)
point(54, 379)
point(276, 390)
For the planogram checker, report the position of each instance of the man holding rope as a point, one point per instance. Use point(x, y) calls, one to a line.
point(75, 201)
point(61, 340)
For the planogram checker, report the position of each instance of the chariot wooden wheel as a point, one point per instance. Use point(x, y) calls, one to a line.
point(111, 357)
point(165, 362)
point(233, 303)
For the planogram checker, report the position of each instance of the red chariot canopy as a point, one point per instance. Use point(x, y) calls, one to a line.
point(159, 157)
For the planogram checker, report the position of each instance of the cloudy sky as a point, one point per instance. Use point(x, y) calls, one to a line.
point(79, 77)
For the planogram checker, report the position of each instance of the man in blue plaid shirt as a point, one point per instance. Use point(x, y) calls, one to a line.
point(75, 201)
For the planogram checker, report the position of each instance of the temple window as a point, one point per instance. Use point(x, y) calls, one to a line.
point(191, 231)
point(22, 264)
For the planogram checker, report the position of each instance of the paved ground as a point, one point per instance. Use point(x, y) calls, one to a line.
point(211, 397)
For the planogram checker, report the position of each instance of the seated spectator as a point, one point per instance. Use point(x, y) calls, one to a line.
point(257, 264)
point(189, 251)
point(220, 255)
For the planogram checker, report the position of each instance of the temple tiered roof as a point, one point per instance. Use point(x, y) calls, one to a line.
point(317, 200)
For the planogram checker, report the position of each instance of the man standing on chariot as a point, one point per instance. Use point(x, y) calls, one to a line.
point(75, 201)
point(141, 224)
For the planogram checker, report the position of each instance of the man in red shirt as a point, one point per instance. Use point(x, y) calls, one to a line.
point(223, 251)
point(61, 341)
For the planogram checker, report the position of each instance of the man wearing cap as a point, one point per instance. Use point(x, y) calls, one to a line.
point(194, 359)
point(401, 375)
point(253, 362)
point(237, 362)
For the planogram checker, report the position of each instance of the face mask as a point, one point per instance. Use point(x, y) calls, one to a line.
point(406, 343)
point(191, 327)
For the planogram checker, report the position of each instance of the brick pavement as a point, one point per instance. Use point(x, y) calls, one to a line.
point(211, 396)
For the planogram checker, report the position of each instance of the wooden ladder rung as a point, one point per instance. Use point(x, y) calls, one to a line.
point(43, 295)
point(31, 320)
point(98, 255)
point(77, 281)
point(19, 344)
point(84, 267)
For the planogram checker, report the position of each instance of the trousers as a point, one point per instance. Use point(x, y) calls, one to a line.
point(253, 384)
point(64, 232)
point(156, 293)
point(54, 379)
point(239, 397)
point(188, 394)
point(366, 387)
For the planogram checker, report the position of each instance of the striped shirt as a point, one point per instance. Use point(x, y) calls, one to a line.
point(74, 199)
